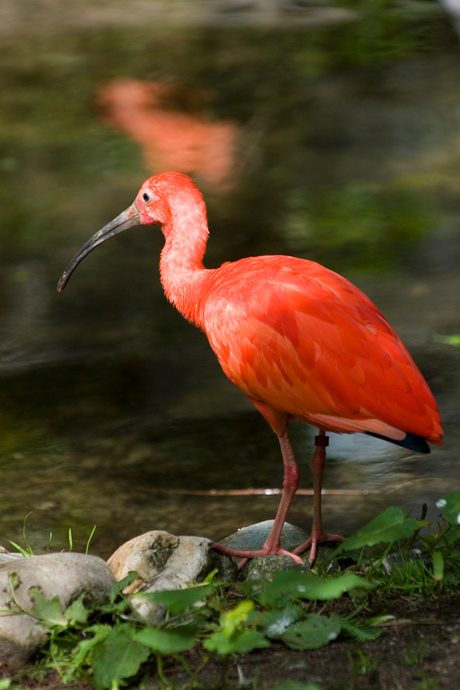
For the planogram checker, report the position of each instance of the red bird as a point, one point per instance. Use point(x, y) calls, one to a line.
point(298, 339)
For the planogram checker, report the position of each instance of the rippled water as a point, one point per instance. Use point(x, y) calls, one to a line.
point(305, 140)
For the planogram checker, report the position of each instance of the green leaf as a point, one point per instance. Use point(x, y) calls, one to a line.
point(390, 526)
point(294, 585)
point(177, 600)
point(242, 643)
point(5, 683)
point(438, 566)
point(313, 632)
point(85, 646)
point(359, 631)
point(275, 621)
point(119, 586)
point(234, 619)
point(450, 506)
point(77, 612)
point(118, 656)
point(168, 641)
point(47, 611)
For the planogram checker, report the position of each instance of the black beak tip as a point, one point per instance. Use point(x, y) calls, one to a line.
point(127, 219)
point(62, 283)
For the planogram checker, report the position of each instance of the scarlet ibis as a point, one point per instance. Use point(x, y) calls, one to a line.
point(298, 339)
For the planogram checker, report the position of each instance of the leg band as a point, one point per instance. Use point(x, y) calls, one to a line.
point(321, 440)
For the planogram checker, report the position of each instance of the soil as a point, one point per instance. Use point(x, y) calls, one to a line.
point(416, 651)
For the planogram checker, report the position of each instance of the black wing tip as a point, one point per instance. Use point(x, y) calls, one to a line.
point(412, 442)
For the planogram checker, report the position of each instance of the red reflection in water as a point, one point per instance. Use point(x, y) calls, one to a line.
point(170, 140)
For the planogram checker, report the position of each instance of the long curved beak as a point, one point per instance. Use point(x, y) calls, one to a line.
point(128, 219)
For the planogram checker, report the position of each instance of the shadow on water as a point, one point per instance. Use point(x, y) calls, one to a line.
point(335, 143)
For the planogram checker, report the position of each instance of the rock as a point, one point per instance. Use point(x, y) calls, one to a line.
point(65, 575)
point(254, 536)
point(268, 566)
point(163, 561)
point(393, 561)
point(7, 556)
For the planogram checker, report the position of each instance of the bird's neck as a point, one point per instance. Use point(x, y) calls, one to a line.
point(182, 273)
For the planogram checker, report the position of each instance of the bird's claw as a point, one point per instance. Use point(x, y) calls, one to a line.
point(264, 551)
point(312, 543)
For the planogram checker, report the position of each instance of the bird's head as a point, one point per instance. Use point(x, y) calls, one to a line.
point(156, 196)
point(153, 204)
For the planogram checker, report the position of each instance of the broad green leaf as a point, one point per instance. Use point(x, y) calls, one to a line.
point(293, 585)
point(388, 527)
point(450, 506)
point(47, 611)
point(249, 587)
point(85, 646)
point(233, 619)
point(275, 621)
point(5, 683)
point(241, 643)
point(313, 632)
point(77, 612)
point(114, 607)
point(168, 641)
point(177, 600)
point(117, 657)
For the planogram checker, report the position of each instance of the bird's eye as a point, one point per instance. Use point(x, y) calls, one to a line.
point(147, 197)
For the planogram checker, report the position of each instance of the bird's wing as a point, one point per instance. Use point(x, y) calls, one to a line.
point(303, 340)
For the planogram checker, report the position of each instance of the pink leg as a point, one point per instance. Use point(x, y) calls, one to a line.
point(318, 535)
point(290, 484)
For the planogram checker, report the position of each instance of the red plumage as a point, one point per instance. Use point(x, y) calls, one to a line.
point(305, 341)
point(298, 339)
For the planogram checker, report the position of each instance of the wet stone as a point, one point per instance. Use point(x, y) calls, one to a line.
point(253, 537)
point(268, 566)
point(163, 561)
point(65, 575)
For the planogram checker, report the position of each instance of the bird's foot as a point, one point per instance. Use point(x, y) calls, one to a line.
point(317, 537)
point(264, 551)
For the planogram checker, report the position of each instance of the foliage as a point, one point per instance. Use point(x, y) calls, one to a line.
point(52, 125)
point(365, 224)
point(435, 563)
point(452, 340)
point(108, 644)
point(389, 527)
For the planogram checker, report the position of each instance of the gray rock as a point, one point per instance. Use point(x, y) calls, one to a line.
point(163, 561)
point(7, 556)
point(253, 537)
point(268, 566)
point(393, 561)
point(65, 575)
